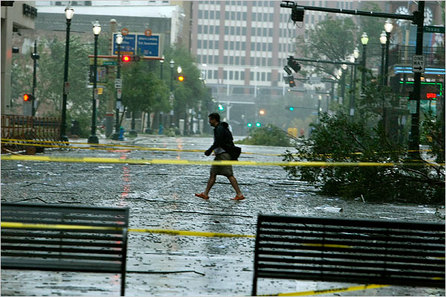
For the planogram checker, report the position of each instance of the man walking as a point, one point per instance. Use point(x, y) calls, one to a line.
point(222, 139)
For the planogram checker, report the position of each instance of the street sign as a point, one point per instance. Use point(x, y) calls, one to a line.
point(148, 46)
point(433, 29)
point(418, 64)
point(139, 44)
point(112, 63)
point(128, 45)
point(118, 83)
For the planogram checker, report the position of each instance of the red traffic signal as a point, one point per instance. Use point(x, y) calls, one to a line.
point(126, 59)
point(27, 97)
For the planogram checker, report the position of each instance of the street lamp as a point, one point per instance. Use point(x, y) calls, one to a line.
point(383, 41)
point(364, 41)
point(69, 12)
point(352, 102)
point(172, 64)
point(343, 68)
point(96, 30)
point(119, 39)
point(388, 27)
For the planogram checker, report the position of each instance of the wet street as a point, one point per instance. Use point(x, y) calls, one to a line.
point(162, 197)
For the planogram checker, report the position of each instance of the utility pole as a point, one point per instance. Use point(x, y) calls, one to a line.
point(35, 57)
point(414, 140)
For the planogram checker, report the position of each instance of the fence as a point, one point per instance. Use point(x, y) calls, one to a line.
point(26, 128)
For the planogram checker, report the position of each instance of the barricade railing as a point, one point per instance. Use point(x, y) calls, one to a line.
point(28, 128)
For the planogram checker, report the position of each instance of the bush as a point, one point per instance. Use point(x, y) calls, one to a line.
point(342, 139)
point(269, 135)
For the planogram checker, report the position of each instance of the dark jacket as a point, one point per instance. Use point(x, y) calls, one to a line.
point(222, 137)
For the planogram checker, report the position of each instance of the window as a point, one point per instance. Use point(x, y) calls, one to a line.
point(231, 74)
point(232, 30)
point(242, 75)
point(199, 44)
point(236, 75)
point(216, 74)
point(200, 29)
point(231, 60)
point(244, 31)
point(212, 14)
point(205, 31)
point(225, 74)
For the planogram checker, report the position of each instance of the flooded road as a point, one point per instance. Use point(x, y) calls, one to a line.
point(162, 197)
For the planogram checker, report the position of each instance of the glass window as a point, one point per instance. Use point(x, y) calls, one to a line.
point(200, 14)
point(226, 15)
point(205, 44)
point(232, 30)
point(205, 31)
point(211, 29)
point(231, 75)
point(258, 47)
point(263, 76)
point(252, 61)
point(242, 75)
point(225, 74)
point(217, 29)
point(216, 74)
point(231, 45)
point(264, 47)
point(226, 30)
point(243, 46)
point(212, 14)
point(251, 77)
point(204, 59)
point(199, 44)
point(200, 29)
point(237, 31)
point(206, 14)
point(217, 15)
point(244, 31)
point(237, 60)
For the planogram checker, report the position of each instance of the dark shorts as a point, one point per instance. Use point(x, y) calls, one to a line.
point(222, 170)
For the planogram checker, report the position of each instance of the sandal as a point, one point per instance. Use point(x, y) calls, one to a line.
point(238, 198)
point(202, 195)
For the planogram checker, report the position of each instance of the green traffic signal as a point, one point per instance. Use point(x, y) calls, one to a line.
point(249, 125)
point(258, 124)
point(291, 108)
point(221, 107)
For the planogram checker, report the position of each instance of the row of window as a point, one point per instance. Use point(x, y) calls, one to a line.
point(241, 3)
point(241, 31)
point(235, 45)
point(235, 60)
point(239, 75)
point(239, 16)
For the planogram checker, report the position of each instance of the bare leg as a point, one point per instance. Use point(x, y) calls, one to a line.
point(210, 184)
point(234, 184)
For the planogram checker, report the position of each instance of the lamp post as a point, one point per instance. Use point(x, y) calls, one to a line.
point(388, 27)
point(172, 64)
point(96, 30)
point(69, 12)
point(119, 39)
point(352, 102)
point(35, 56)
point(343, 73)
point(383, 41)
point(364, 41)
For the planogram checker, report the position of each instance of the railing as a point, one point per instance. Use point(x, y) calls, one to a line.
point(27, 130)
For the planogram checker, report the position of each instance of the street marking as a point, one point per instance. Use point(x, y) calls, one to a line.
point(328, 291)
point(197, 162)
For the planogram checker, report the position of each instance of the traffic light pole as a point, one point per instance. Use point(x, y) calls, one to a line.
point(414, 140)
point(118, 95)
point(418, 19)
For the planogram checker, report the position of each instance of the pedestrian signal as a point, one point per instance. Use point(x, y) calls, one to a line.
point(27, 97)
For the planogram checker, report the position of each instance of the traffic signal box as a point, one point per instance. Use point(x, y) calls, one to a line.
point(28, 97)
point(128, 58)
point(180, 78)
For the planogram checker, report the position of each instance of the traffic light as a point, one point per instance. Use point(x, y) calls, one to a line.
point(258, 125)
point(180, 78)
point(27, 97)
point(291, 81)
point(290, 108)
point(128, 58)
point(221, 107)
point(297, 14)
point(249, 125)
point(262, 112)
point(292, 63)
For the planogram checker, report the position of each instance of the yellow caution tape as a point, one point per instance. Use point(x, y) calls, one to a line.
point(197, 162)
point(190, 233)
point(159, 231)
point(328, 291)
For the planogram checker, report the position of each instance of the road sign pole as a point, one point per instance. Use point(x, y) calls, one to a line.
point(414, 140)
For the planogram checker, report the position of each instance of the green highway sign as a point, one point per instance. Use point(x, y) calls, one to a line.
point(434, 29)
point(110, 63)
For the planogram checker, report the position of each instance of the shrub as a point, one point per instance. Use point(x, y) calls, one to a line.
point(269, 135)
